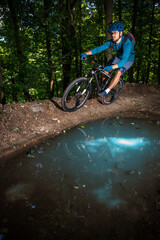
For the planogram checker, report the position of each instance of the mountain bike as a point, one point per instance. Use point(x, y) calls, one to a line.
point(78, 91)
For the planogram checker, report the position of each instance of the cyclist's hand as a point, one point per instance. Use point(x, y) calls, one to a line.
point(107, 68)
point(83, 56)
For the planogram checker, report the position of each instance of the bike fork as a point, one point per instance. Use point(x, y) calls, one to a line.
point(83, 92)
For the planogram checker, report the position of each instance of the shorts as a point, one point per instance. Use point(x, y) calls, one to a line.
point(121, 69)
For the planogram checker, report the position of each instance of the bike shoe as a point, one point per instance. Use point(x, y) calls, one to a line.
point(104, 94)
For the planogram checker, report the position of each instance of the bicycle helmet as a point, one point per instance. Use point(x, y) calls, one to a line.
point(117, 26)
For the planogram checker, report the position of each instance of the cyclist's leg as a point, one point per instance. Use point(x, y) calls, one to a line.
point(115, 80)
point(119, 73)
point(117, 76)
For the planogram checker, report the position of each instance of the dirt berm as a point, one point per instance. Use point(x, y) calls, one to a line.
point(24, 124)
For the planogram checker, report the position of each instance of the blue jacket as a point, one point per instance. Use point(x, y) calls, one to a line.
point(125, 54)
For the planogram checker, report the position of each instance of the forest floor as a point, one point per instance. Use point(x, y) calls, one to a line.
point(23, 125)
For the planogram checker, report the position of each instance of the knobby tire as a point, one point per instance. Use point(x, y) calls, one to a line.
point(76, 94)
point(114, 93)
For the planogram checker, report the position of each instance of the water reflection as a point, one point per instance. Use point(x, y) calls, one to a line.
point(94, 171)
point(106, 151)
point(130, 142)
point(18, 191)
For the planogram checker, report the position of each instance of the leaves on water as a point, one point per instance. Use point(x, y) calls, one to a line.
point(30, 154)
point(76, 187)
point(158, 122)
point(129, 172)
point(121, 122)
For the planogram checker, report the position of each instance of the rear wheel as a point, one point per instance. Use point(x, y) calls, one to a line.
point(113, 94)
point(76, 94)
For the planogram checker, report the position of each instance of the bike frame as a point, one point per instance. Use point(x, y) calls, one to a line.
point(94, 74)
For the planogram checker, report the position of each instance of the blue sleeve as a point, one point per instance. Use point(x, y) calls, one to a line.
point(127, 46)
point(101, 48)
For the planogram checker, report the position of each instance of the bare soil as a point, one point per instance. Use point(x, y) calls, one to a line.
point(24, 124)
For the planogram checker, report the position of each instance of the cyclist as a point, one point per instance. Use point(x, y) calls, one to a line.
point(124, 58)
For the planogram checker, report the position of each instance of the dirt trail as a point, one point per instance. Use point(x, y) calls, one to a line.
point(25, 124)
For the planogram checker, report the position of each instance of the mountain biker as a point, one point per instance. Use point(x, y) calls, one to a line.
point(124, 54)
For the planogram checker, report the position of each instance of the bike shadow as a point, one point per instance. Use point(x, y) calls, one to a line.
point(57, 103)
point(94, 95)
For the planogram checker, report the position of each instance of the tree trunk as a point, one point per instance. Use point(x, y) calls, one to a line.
point(138, 70)
point(2, 94)
point(66, 40)
point(80, 36)
point(134, 17)
point(16, 30)
point(159, 65)
point(76, 59)
point(48, 45)
point(108, 7)
point(120, 9)
point(76, 12)
point(18, 48)
point(55, 77)
point(150, 41)
point(14, 90)
point(100, 26)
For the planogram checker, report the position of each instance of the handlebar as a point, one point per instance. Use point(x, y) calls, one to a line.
point(97, 65)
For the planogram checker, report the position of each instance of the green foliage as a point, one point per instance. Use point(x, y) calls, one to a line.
point(35, 34)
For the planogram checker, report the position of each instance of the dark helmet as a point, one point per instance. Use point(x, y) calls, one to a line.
point(117, 26)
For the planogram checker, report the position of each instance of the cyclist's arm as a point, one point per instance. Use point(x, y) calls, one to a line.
point(99, 49)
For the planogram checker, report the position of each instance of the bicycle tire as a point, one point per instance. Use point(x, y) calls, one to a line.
point(114, 93)
point(76, 94)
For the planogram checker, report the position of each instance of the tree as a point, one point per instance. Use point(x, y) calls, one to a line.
point(2, 94)
point(150, 42)
point(42, 40)
point(158, 72)
point(120, 9)
point(108, 6)
point(68, 33)
point(48, 46)
point(134, 17)
point(21, 58)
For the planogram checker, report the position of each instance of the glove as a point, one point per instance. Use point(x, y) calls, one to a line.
point(83, 56)
point(107, 68)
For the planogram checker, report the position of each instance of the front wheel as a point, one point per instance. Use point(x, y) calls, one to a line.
point(76, 94)
point(113, 94)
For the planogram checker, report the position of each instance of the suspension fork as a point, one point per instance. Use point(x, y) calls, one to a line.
point(85, 87)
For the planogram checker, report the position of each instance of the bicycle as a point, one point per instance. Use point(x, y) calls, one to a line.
point(78, 91)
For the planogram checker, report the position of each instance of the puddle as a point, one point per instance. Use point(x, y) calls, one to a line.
point(96, 181)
